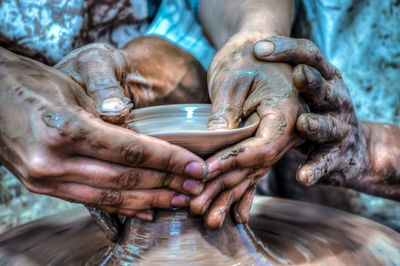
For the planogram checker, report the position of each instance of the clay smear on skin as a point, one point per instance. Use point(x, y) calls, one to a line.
point(233, 152)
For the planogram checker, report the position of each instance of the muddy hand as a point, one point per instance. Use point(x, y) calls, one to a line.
point(148, 70)
point(54, 142)
point(240, 85)
point(340, 152)
point(101, 70)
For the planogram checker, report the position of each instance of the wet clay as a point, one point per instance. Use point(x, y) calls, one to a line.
point(233, 152)
point(280, 232)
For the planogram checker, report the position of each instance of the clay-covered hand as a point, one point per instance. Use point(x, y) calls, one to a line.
point(145, 72)
point(53, 140)
point(239, 85)
point(339, 155)
point(101, 69)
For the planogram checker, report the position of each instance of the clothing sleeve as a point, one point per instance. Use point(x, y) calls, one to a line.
point(44, 30)
point(194, 5)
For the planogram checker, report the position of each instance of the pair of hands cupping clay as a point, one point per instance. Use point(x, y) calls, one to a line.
point(240, 88)
point(68, 153)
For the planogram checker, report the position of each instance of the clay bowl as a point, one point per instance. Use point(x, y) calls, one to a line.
point(186, 125)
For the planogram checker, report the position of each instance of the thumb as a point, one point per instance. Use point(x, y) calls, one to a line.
point(227, 99)
point(101, 70)
point(294, 51)
point(111, 104)
point(104, 77)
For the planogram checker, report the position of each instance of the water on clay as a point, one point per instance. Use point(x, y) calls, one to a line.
point(282, 232)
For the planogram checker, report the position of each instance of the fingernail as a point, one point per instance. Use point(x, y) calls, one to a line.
point(196, 170)
point(112, 104)
point(264, 48)
point(308, 74)
point(205, 207)
point(222, 219)
point(306, 176)
point(145, 216)
point(213, 170)
point(180, 200)
point(193, 186)
point(312, 123)
point(217, 125)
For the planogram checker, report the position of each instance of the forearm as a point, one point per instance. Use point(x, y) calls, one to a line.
point(382, 174)
point(221, 19)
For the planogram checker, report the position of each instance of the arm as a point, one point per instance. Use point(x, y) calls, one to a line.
point(222, 19)
point(240, 85)
point(382, 177)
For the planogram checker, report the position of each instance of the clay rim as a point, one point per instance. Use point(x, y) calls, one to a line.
point(253, 120)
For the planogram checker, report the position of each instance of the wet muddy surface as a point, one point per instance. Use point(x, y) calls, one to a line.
point(280, 232)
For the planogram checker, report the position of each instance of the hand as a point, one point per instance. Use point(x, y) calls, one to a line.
point(147, 71)
point(54, 142)
point(240, 85)
point(101, 70)
point(339, 155)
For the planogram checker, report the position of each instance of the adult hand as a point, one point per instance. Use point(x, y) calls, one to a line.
point(54, 142)
point(101, 70)
point(239, 85)
point(145, 72)
point(340, 153)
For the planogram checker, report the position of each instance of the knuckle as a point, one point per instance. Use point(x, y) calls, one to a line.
point(269, 157)
point(127, 180)
point(311, 48)
point(169, 162)
point(167, 179)
point(111, 198)
point(40, 166)
point(34, 185)
point(133, 154)
point(64, 125)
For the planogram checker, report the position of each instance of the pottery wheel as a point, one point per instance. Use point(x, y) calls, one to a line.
point(291, 232)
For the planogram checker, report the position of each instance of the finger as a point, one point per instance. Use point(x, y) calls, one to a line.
point(102, 174)
point(125, 202)
point(321, 128)
point(319, 164)
point(228, 95)
point(145, 215)
point(272, 140)
point(116, 211)
point(243, 206)
point(102, 85)
point(92, 137)
point(220, 207)
point(100, 69)
point(295, 51)
point(199, 204)
point(317, 90)
point(109, 224)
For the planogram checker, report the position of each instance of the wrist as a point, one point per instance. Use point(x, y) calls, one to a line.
point(250, 31)
point(377, 169)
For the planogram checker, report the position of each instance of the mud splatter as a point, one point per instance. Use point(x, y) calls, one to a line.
point(233, 152)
